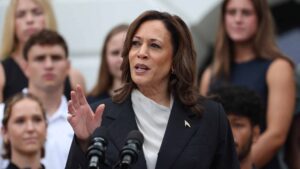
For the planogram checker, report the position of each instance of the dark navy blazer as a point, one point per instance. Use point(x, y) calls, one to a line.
point(206, 144)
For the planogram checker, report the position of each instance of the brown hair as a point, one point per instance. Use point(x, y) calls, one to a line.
point(45, 37)
point(105, 79)
point(182, 82)
point(9, 104)
point(264, 44)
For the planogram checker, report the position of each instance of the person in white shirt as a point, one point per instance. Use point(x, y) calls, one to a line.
point(47, 66)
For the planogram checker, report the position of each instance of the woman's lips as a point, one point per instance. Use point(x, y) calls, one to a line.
point(31, 31)
point(141, 68)
point(238, 29)
point(30, 140)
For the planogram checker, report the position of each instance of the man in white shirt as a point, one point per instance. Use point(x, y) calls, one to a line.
point(47, 67)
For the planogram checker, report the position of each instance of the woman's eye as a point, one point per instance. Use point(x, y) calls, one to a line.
point(20, 14)
point(37, 119)
point(115, 52)
point(37, 12)
point(154, 45)
point(20, 120)
point(246, 12)
point(231, 12)
point(135, 43)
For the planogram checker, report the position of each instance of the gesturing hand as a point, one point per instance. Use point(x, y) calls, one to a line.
point(81, 117)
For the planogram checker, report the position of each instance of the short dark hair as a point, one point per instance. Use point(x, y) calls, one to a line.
point(45, 37)
point(240, 101)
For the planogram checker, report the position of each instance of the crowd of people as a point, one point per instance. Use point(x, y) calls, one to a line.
point(246, 55)
point(239, 114)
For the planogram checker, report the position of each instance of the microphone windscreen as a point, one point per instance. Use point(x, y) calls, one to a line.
point(136, 135)
point(100, 132)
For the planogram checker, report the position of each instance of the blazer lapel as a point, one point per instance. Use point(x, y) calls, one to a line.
point(124, 123)
point(180, 129)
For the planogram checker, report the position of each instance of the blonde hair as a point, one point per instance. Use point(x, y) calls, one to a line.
point(9, 41)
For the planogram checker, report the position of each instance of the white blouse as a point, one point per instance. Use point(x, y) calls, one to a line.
point(152, 120)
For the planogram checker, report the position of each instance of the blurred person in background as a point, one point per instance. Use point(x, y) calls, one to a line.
point(246, 55)
point(243, 108)
point(47, 66)
point(24, 18)
point(109, 75)
point(24, 130)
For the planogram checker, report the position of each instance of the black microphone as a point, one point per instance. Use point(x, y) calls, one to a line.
point(96, 151)
point(129, 153)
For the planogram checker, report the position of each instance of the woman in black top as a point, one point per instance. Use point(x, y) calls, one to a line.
point(24, 129)
point(246, 55)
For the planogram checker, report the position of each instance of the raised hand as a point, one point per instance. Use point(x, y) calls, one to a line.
point(81, 117)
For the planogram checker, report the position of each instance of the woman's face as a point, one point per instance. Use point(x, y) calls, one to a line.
point(240, 20)
point(26, 128)
point(150, 56)
point(29, 19)
point(114, 54)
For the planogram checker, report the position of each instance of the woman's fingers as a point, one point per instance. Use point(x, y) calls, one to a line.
point(81, 96)
point(99, 112)
point(71, 109)
point(74, 100)
point(81, 115)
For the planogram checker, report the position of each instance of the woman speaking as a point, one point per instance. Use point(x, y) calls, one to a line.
point(159, 98)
